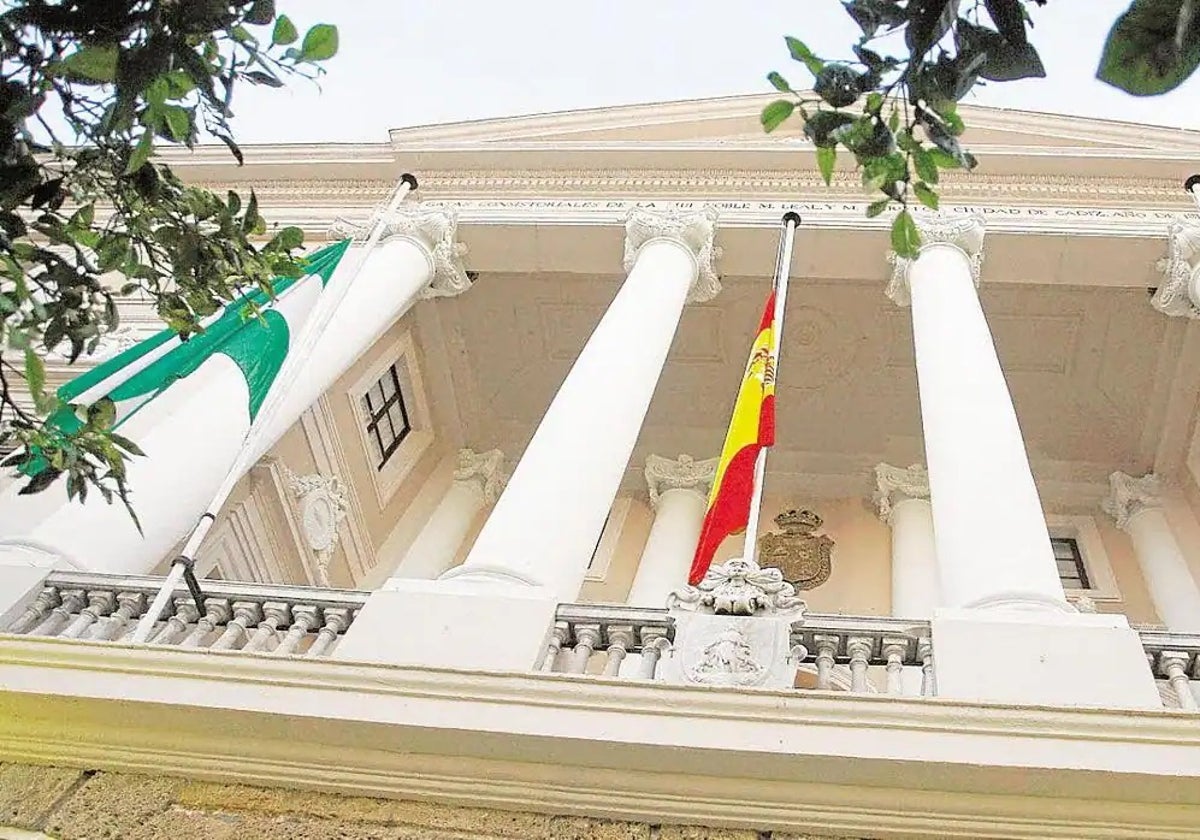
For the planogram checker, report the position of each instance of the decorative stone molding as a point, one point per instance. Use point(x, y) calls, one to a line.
point(323, 505)
point(695, 229)
point(892, 481)
point(435, 228)
point(964, 232)
point(686, 473)
point(739, 587)
point(1128, 496)
point(486, 468)
point(1179, 293)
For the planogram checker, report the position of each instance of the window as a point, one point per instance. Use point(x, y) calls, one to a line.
point(388, 423)
point(1071, 569)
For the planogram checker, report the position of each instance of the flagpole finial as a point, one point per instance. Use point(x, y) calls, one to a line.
point(1192, 182)
point(793, 217)
point(411, 180)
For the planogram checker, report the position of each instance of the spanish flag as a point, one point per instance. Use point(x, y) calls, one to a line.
point(750, 429)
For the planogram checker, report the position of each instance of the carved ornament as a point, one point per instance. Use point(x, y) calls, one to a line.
point(484, 468)
point(1179, 292)
point(890, 482)
point(1128, 496)
point(804, 559)
point(964, 232)
point(686, 473)
point(694, 229)
point(323, 505)
point(739, 587)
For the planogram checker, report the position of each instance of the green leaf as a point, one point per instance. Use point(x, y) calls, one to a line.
point(774, 114)
point(800, 52)
point(261, 12)
point(102, 413)
point(826, 160)
point(925, 195)
point(320, 43)
point(35, 378)
point(141, 152)
point(778, 82)
point(906, 239)
point(925, 165)
point(284, 32)
point(1009, 19)
point(94, 64)
point(179, 122)
point(288, 238)
point(126, 444)
point(1143, 55)
point(928, 21)
point(877, 207)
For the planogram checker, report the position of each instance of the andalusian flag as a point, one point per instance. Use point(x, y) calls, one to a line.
point(751, 428)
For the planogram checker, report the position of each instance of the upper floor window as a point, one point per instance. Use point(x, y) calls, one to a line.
point(1072, 571)
point(387, 416)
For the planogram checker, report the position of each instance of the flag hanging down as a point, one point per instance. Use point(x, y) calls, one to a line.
point(750, 429)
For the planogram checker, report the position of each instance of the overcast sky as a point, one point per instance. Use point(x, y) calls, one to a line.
point(415, 62)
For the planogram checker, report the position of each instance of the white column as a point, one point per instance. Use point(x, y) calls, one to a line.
point(1179, 292)
point(902, 498)
point(546, 523)
point(496, 611)
point(992, 544)
point(1007, 633)
point(478, 480)
point(679, 495)
point(1136, 505)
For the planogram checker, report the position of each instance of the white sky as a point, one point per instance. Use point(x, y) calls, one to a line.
point(415, 62)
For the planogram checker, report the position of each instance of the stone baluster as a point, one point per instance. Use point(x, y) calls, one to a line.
point(826, 648)
point(558, 637)
point(304, 618)
point(337, 619)
point(36, 612)
point(654, 644)
point(175, 626)
point(100, 604)
point(893, 651)
point(1174, 666)
point(276, 614)
point(928, 679)
point(859, 649)
point(71, 602)
point(587, 637)
point(130, 605)
point(217, 611)
point(245, 613)
point(620, 639)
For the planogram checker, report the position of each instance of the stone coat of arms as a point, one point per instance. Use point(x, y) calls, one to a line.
point(804, 558)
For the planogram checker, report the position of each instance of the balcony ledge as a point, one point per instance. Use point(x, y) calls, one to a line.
point(887, 766)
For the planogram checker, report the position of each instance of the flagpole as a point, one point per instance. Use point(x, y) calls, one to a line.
point(783, 269)
point(182, 568)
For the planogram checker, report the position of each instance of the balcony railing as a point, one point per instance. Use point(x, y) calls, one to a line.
point(279, 620)
point(1175, 660)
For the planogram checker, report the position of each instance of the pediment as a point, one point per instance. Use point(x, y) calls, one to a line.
point(733, 122)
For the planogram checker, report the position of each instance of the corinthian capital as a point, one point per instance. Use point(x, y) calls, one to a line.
point(1179, 292)
point(694, 230)
point(686, 473)
point(963, 232)
point(1128, 495)
point(892, 482)
point(484, 468)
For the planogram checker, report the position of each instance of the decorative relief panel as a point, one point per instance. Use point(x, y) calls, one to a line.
point(323, 504)
point(804, 558)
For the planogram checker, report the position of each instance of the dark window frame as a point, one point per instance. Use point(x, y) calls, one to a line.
point(380, 427)
point(1076, 558)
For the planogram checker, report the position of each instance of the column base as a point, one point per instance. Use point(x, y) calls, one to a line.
point(444, 624)
point(1047, 659)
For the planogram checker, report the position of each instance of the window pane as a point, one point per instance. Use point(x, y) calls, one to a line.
point(396, 416)
point(387, 383)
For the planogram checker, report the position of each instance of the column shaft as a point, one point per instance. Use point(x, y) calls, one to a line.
point(667, 555)
point(1165, 570)
point(916, 587)
point(435, 547)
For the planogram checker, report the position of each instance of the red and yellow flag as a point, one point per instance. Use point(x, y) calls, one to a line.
point(750, 429)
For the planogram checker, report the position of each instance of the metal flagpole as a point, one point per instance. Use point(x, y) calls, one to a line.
point(182, 568)
point(783, 269)
point(1192, 185)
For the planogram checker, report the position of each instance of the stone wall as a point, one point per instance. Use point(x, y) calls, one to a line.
point(92, 805)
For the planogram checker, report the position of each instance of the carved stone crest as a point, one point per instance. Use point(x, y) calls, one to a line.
point(804, 558)
point(727, 656)
point(323, 505)
point(738, 587)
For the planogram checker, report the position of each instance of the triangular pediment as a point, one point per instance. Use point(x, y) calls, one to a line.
point(733, 122)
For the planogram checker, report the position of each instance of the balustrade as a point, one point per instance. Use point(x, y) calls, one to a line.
point(597, 638)
point(250, 617)
point(1174, 660)
point(860, 645)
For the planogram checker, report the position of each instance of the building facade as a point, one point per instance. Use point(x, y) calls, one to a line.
point(446, 596)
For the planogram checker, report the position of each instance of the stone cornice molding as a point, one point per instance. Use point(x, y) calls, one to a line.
point(433, 228)
point(695, 230)
point(1129, 496)
point(1179, 292)
point(684, 473)
point(892, 482)
point(484, 469)
point(963, 232)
